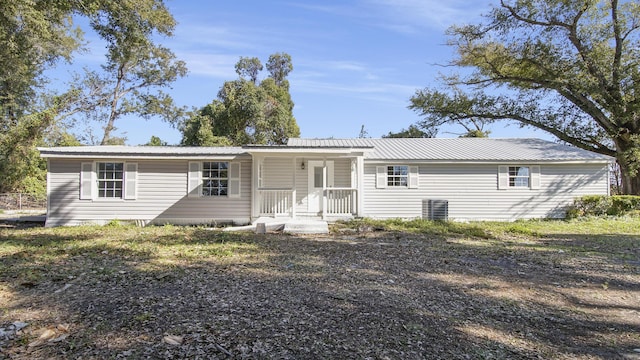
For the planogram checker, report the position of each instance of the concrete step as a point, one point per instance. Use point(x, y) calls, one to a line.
point(306, 227)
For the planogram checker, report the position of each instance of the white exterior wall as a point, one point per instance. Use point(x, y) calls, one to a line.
point(161, 196)
point(472, 191)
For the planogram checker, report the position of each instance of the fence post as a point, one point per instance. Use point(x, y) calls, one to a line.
point(20, 201)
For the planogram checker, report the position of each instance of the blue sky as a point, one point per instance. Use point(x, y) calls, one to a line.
point(356, 62)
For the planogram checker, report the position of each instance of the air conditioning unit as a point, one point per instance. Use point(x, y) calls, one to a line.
point(435, 209)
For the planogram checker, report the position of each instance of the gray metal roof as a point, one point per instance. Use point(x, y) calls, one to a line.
point(430, 149)
point(143, 151)
point(459, 149)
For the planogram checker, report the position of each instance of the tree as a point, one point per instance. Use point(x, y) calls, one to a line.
point(34, 36)
point(279, 66)
point(249, 67)
point(136, 70)
point(198, 132)
point(413, 132)
point(156, 141)
point(245, 112)
point(570, 68)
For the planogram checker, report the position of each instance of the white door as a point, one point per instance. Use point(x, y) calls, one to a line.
point(314, 197)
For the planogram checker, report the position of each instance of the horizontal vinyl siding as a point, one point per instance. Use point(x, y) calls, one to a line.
point(342, 173)
point(161, 197)
point(277, 173)
point(473, 193)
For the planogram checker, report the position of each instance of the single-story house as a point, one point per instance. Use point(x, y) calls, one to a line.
point(457, 179)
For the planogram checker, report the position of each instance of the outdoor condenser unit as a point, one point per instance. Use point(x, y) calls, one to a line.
point(435, 209)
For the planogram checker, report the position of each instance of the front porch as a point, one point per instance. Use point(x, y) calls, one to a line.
point(337, 203)
point(323, 186)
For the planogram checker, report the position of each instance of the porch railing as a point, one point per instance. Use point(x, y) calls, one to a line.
point(341, 201)
point(277, 202)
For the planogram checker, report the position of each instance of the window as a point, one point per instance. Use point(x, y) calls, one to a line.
point(110, 179)
point(215, 178)
point(519, 176)
point(397, 175)
point(210, 179)
point(317, 177)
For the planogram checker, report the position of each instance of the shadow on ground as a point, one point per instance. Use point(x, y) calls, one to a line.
point(364, 295)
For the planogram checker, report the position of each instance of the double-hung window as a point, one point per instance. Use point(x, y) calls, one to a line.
point(104, 180)
point(397, 175)
point(110, 179)
point(215, 178)
point(519, 176)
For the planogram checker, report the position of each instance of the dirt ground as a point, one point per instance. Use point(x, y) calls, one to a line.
point(350, 295)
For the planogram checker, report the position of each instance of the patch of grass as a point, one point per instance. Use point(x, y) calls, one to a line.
point(32, 255)
point(419, 226)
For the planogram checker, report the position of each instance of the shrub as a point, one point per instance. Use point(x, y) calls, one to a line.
point(599, 205)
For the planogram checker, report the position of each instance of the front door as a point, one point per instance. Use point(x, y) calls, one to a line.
point(316, 183)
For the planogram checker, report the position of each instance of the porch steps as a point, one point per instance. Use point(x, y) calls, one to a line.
point(306, 226)
point(286, 225)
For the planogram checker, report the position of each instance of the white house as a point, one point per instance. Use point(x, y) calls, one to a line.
point(456, 179)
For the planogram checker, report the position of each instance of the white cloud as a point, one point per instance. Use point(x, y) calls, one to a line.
point(219, 66)
point(409, 15)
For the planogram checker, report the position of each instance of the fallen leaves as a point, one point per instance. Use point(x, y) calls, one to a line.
point(173, 340)
point(51, 334)
point(353, 295)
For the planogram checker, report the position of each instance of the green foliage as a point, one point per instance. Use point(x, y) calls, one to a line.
point(247, 112)
point(156, 141)
point(569, 68)
point(36, 35)
point(136, 69)
point(249, 67)
point(21, 167)
point(197, 131)
point(279, 66)
point(599, 205)
point(413, 132)
point(476, 134)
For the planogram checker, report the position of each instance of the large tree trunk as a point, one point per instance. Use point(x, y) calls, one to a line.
point(630, 183)
point(629, 166)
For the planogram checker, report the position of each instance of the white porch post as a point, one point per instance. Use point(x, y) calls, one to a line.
point(360, 184)
point(293, 193)
point(255, 184)
point(353, 185)
point(324, 188)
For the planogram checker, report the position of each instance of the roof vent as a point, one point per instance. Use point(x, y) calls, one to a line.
point(434, 209)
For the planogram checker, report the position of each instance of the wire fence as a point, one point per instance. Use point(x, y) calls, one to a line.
point(19, 201)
